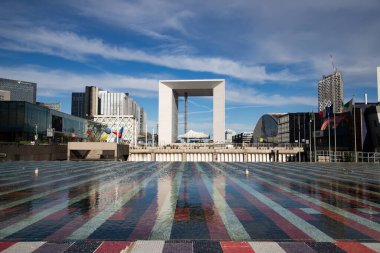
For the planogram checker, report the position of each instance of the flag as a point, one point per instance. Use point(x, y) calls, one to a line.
point(312, 116)
point(328, 111)
point(325, 123)
point(331, 110)
point(347, 107)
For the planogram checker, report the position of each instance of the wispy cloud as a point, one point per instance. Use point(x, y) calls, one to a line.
point(250, 96)
point(144, 16)
point(72, 46)
point(60, 83)
point(54, 83)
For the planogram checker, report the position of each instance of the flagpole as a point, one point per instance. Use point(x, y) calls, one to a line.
point(117, 125)
point(356, 156)
point(153, 138)
point(310, 154)
point(334, 138)
point(315, 141)
point(328, 119)
point(146, 135)
point(299, 137)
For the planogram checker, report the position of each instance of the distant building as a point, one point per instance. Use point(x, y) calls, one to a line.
point(21, 120)
point(111, 103)
point(142, 121)
point(242, 138)
point(19, 90)
point(294, 128)
point(77, 104)
point(330, 92)
point(5, 95)
point(116, 110)
point(91, 101)
point(52, 106)
point(229, 133)
point(283, 128)
point(372, 116)
point(266, 129)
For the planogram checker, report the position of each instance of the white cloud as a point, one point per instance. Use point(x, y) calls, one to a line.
point(250, 96)
point(72, 46)
point(143, 16)
point(60, 83)
point(240, 127)
point(55, 83)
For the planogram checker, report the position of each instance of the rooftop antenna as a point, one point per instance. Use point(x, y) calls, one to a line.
point(332, 63)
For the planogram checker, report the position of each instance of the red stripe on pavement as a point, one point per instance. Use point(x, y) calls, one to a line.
point(353, 247)
point(236, 247)
point(112, 247)
point(5, 245)
point(287, 227)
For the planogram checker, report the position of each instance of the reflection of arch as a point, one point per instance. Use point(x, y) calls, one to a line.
point(331, 120)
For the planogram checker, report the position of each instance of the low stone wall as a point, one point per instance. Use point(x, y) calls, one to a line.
point(16, 152)
point(218, 155)
point(97, 151)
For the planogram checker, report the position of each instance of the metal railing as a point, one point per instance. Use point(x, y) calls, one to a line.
point(221, 146)
point(345, 156)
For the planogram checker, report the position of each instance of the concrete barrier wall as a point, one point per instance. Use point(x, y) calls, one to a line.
point(215, 155)
point(15, 152)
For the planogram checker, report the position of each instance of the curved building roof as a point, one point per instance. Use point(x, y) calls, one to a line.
point(266, 128)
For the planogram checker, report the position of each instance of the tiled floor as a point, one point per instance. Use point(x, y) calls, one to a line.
point(183, 246)
point(189, 207)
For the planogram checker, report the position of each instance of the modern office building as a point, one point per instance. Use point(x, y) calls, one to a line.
point(142, 120)
point(330, 92)
point(111, 103)
point(91, 101)
point(77, 104)
point(19, 90)
point(294, 128)
point(242, 138)
point(116, 110)
point(229, 133)
point(21, 121)
point(52, 106)
point(5, 95)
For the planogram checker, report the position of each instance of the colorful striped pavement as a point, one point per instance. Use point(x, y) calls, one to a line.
point(187, 246)
point(66, 206)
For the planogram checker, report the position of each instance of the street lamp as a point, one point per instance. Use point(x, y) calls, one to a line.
point(36, 135)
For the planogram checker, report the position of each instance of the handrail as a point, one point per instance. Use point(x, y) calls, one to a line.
point(347, 156)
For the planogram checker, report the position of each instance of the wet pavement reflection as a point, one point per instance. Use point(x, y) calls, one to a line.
point(129, 201)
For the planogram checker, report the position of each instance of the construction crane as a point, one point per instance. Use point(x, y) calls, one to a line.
point(332, 63)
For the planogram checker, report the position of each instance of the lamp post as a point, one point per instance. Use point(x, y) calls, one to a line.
point(153, 138)
point(36, 134)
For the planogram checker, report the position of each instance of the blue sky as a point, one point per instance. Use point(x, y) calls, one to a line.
point(271, 53)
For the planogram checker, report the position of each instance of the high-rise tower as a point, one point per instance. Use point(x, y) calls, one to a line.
point(330, 92)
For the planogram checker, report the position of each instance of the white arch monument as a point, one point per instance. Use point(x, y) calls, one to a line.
point(170, 90)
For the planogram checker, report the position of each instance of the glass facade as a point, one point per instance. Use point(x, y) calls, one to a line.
point(77, 104)
point(266, 129)
point(21, 120)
